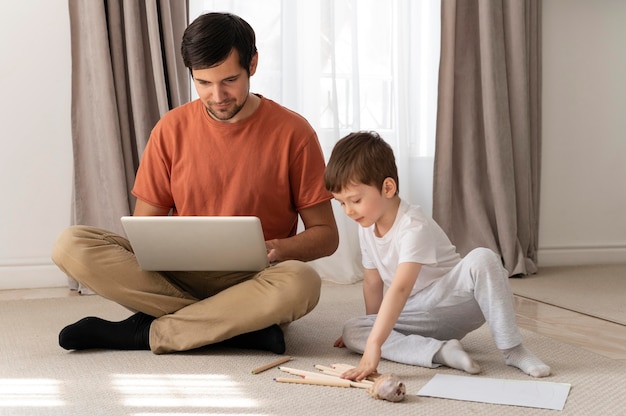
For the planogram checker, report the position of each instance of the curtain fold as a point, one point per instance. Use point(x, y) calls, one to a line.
point(126, 73)
point(488, 144)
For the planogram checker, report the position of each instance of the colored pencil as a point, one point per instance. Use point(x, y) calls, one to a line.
point(271, 365)
point(316, 381)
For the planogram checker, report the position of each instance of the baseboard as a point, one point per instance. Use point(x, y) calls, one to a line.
point(578, 256)
point(30, 274)
point(42, 273)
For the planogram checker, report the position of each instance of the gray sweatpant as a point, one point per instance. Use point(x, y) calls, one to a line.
point(475, 291)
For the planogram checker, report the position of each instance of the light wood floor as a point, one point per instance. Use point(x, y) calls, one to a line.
point(593, 334)
point(596, 335)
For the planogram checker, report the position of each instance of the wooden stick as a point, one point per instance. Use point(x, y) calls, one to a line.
point(320, 376)
point(271, 365)
point(342, 367)
point(333, 372)
point(328, 370)
point(318, 382)
point(363, 384)
point(323, 377)
point(304, 373)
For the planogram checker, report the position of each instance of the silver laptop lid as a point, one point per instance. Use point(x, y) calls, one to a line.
point(202, 243)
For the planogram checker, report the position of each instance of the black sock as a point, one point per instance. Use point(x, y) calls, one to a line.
point(267, 339)
point(132, 333)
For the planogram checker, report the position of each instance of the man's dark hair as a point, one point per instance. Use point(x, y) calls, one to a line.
point(360, 157)
point(210, 38)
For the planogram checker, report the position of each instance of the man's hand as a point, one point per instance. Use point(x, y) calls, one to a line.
point(369, 363)
point(272, 257)
point(319, 238)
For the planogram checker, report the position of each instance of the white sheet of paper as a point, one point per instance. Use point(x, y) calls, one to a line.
point(527, 393)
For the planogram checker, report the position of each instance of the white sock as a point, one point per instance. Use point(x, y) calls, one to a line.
point(526, 361)
point(453, 355)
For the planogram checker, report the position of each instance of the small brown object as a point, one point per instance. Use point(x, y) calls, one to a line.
point(388, 387)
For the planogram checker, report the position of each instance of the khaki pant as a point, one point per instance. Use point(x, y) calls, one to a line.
point(193, 309)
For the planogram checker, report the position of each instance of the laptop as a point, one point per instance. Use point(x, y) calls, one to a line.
point(202, 243)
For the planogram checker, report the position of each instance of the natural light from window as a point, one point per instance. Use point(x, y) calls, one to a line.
point(349, 65)
point(175, 394)
point(30, 392)
point(180, 391)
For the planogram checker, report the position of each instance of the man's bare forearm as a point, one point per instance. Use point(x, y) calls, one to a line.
point(311, 244)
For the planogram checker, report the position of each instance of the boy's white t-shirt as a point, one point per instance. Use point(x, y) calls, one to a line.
point(414, 237)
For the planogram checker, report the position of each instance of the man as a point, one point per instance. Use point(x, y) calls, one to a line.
point(229, 153)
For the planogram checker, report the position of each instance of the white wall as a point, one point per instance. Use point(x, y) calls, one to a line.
point(35, 142)
point(583, 189)
point(583, 195)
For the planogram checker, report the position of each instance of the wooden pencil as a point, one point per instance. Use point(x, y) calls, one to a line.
point(310, 375)
point(328, 370)
point(342, 367)
point(315, 381)
point(304, 373)
point(273, 364)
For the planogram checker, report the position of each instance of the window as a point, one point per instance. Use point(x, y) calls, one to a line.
point(349, 65)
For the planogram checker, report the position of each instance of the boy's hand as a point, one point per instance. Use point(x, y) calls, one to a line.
point(369, 363)
point(339, 343)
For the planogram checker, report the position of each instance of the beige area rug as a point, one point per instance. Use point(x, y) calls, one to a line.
point(599, 291)
point(37, 377)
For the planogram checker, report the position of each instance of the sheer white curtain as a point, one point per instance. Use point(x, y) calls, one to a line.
point(349, 65)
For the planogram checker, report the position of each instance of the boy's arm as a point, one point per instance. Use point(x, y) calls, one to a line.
point(372, 291)
point(372, 295)
point(390, 309)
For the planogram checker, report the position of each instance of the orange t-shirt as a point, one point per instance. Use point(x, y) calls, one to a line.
point(269, 165)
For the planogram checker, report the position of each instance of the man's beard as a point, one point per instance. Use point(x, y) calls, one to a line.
point(226, 115)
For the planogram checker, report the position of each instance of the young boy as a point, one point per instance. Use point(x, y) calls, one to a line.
point(433, 297)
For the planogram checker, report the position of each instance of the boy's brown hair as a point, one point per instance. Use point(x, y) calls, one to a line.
point(360, 157)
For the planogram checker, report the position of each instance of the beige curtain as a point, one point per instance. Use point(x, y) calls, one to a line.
point(488, 144)
point(126, 73)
